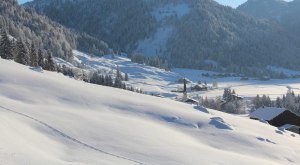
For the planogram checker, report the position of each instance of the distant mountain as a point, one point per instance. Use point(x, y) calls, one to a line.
point(29, 26)
point(186, 32)
point(286, 14)
point(265, 9)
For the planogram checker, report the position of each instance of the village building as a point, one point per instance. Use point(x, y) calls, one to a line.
point(199, 88)
point(278, 117)
point(191, 101)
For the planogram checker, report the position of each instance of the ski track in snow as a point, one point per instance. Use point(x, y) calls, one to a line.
point(69, 137)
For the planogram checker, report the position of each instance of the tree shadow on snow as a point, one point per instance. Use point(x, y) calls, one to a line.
point(265, 140)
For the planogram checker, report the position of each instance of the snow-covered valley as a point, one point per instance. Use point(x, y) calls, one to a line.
point(52, 119)
point(162, 82)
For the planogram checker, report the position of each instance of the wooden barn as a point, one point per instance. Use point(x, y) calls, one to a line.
point(278, 117)
point(199, 88)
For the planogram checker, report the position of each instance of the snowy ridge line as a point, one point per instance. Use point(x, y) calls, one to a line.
point(71, 138)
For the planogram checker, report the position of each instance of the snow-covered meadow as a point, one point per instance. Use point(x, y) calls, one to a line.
point(159, 81)
point(47, 118)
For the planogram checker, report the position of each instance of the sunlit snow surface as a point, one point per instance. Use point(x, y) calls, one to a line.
point(47, 118)
point(154, 80)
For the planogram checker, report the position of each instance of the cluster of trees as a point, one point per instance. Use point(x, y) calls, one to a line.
point(107, 80)
point(232, 103)
point(290, 101)
point(99, 78)
point(25, 35)
point(228, 103)
point(24, 53)
point(151, 61)
point(28, 54)
point(121, 23)
point(25, 24)
point(117, 82)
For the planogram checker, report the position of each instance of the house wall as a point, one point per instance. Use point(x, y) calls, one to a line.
point(286, 117)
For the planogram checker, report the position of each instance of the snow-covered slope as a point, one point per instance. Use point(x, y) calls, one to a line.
point(47, 118)
point(159, 81)
point(156, 45)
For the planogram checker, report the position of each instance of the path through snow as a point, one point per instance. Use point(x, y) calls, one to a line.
point(64, 135)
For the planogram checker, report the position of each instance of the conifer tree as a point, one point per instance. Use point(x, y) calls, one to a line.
point(33, 56)
point(50, 65)
point(5, 46)
point(227, 95)
point(126, 77)
point(22, 56)
point(118, 82)
point(118, 74)
point(40, 59)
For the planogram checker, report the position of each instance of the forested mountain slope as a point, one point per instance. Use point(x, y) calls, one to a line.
point(187, 32)
point(27, 25)
point(285, 14)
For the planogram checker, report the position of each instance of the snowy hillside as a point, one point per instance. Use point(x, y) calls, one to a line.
point(159, 81)
point(47, 118)
point(157, 43)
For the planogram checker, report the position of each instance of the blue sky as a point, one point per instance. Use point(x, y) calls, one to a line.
point(232, 3)
point(23, 1)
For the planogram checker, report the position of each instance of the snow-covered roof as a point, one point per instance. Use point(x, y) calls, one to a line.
point(191, 100)
point(267, 113)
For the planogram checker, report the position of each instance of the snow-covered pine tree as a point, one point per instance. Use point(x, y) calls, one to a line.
point(40, 59)
point(278, 102)
point(22, 56)
point(118, 74)
point(5, 46)
point(126, 77)
point(118, 82)
point(227, 95)
point(118, 79)
point(108, 80)
point(33, 56)
point(50, 65)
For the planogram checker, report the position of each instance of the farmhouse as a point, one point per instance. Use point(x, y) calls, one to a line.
point(278, 117)
point(199, 88)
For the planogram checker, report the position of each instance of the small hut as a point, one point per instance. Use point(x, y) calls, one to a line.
point(191, 101)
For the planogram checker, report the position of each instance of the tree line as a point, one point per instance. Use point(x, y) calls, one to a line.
point(98, 78)
point(289, 101)
point(229, 103)
point(157, 62)
point(25, 53)
point(28, 54)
